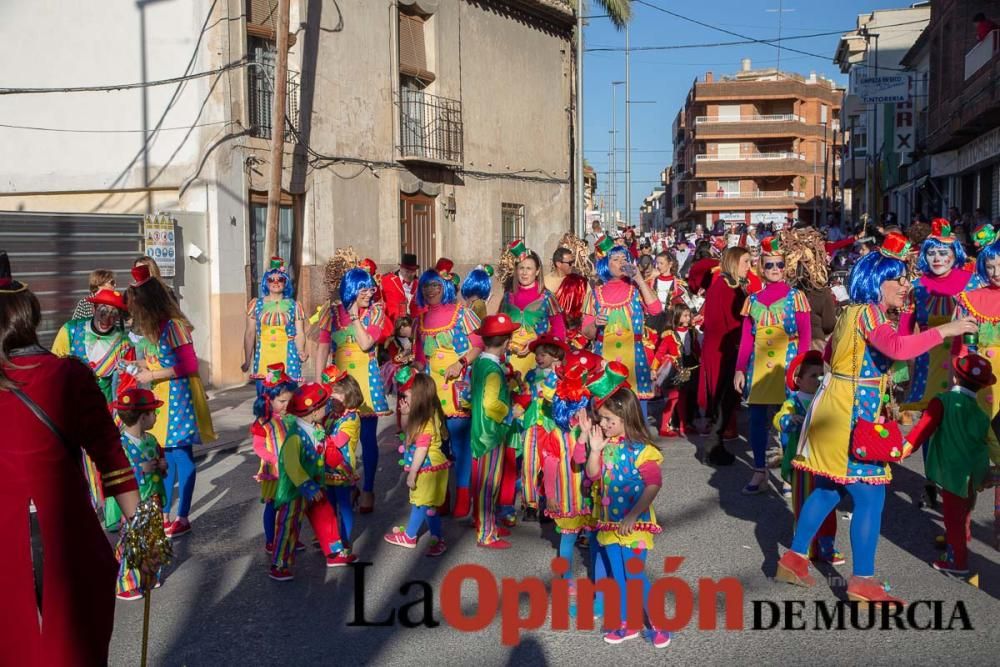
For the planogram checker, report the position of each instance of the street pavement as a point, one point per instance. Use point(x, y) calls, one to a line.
point(217, 605)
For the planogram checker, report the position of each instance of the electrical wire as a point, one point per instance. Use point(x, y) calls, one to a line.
point(122, 86)
point(82, 131)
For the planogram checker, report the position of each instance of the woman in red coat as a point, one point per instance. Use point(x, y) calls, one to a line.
point(722, 324)
point(64, 613)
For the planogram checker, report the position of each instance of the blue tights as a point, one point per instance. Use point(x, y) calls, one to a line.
point(269, 514)
point(418, 515)
point(759, 415)
point(340, 500)
point(180, 471)
point(459, 433)
point(866, 521)
point(567, 544)
point(369, 450)
point(615, 557)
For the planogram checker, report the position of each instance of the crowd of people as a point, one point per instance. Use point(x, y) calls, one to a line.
point(532, 393)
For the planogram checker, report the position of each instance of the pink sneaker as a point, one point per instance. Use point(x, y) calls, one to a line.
point(269, 547)
point(129, 596)
point(620, 635)
point(281, 574)
point(437, 549)
point(178, 528)
point(401, 539)
point(495, 544)
point(340, 559)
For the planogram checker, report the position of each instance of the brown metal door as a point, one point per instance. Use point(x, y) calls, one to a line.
point(416, 227)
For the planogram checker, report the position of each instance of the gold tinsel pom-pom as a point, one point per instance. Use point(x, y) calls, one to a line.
point(144, 543)
point(343, 260)
point(505, 267)
point(581, 254)
point(806, 263)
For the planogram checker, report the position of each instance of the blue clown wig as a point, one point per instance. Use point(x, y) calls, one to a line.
point(989, 253)
point(563, 410)
point(353, 282)
point(955, 247)
point(262, 406)
point(430, 276)
point(865, 281)
point(603, 272)
point(264, 291)
point(477, 285)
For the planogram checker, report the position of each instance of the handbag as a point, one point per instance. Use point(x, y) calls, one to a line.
point(874, 441)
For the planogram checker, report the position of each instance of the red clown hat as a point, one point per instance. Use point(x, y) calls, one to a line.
point(134, 398)
point(895, 246)
point(770, 246)
point(141, 275)
point(108, 297)
point(810, 357)
point(497, 325)
point(974, 369)
point(549, 339)
point(941, 230)
point(309, 397)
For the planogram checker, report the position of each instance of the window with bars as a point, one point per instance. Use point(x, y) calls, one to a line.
point(511, 223)
point(262, 54)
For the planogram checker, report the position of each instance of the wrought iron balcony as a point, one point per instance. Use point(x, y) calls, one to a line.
point(430, 128)
point(260, 91)
point(756, 194)
point(767, 118)
point(749, 156)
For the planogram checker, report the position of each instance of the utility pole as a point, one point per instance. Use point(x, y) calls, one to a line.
point(280, 89)
point(581, 214)
point(613, 158)
point(628, 131)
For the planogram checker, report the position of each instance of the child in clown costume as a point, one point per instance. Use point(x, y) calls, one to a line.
point(269, 430)
point(423, 461)
point(625, 466)
point(136, 410)
point(538, 429)
point(275, 329)
point(343, 427)
point(776, 319)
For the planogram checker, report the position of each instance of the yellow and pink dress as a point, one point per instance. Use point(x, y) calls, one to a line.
point(277, 329)
point(622, 337)
point(625, 473)
point(337, 330)
point(983, 304)
point(537, 311)
point(432, 478)
point(777, 319)
point(444, 333)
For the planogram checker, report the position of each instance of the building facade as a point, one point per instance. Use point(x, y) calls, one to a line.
point(757, 147)
point(440, 127)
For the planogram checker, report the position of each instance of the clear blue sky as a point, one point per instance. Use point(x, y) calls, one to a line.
point(665, 76)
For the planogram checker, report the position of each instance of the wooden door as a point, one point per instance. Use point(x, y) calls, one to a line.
point(416, 228)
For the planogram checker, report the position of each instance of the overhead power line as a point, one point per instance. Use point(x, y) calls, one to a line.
point(122, 86)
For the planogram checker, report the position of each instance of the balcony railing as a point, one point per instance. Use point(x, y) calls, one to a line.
point(768, 118)
point(749, 156)
point(261, 98)
point(430, 127)
point(757, 194)
point(982, 53)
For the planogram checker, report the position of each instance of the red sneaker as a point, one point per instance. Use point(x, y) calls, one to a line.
point(269, 547)
point(340, 559)
point(495, 544)
point(401, 539)
point(281, 574)
point(669, 433)
point(129, 596)
point(437, 549)
point(868, 589)
point(178, 528)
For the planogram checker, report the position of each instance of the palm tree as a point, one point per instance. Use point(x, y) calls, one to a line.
point(618, 11)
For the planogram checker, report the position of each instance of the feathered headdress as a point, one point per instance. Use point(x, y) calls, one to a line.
point(805, 256)
point(343, 260)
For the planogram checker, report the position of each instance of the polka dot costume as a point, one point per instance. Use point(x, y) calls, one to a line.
point(622, 337)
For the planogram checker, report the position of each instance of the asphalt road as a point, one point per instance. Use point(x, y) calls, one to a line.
point(217, 605)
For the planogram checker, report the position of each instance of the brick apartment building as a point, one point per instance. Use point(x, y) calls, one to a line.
point(756, 147)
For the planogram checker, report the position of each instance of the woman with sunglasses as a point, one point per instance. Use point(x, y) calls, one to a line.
point(352, 329)
point(776, 323)
point(275, 330)
point(861, 352)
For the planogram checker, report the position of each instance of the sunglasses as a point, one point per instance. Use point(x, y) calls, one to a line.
point(562, 261)
point(276, 280)
point(773, 265)
point(903, 280)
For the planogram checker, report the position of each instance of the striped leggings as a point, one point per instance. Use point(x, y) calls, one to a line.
point(489, 470)
point(288, 524)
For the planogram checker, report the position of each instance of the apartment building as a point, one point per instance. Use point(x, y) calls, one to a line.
point(440, 127)
point(756, 147)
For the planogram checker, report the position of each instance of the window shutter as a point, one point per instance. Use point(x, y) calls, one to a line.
point(263, 13)
point(412, 50)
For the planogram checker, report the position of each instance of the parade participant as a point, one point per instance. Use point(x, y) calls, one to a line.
point(445, 344)
point(958, 457)
point(528, 303)
point(562, 266)
point(343, 428)
point(717, 397)
point(269, 430)
point(352, 329)
point(983, 306)
point(933, 300)
point(300, 485)
point(803, 375)
point(678, 347)
point(776, 323)
point(170, 367)
point(669, 289)
point(539, 429)
point(490, 424)
point(136, 408)
point(845, 410)
point(625, 466)
point(615, 318)
point(400, 287)
point(423, 461)
point(66, 616)
point(398, 350)
point(100, 341)
point(99, 279)
point(276, 327)
point(477, 289)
